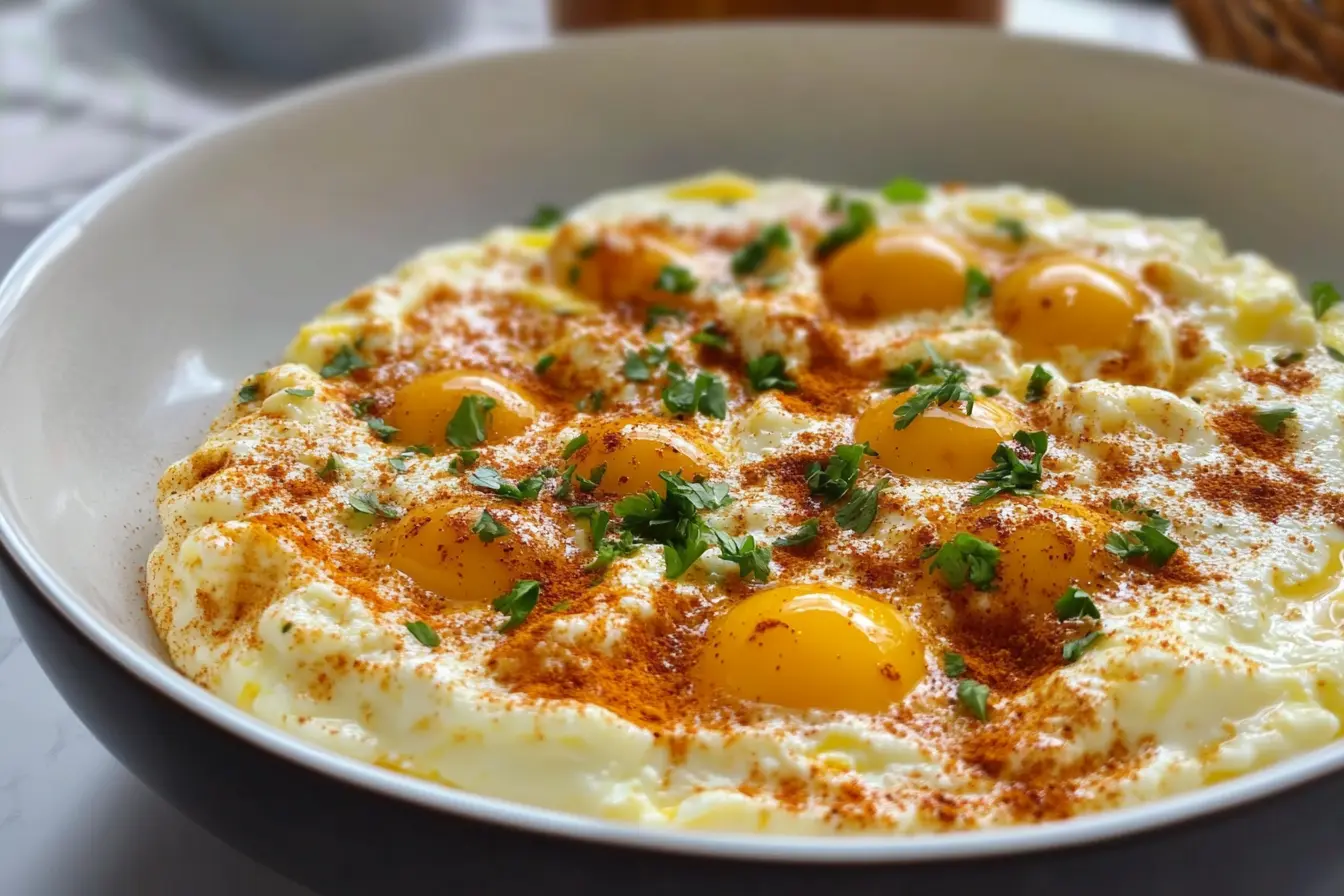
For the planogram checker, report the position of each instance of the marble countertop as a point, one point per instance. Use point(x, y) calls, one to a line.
point(86, 87)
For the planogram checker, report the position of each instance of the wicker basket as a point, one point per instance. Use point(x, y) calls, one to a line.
point(1300, 38)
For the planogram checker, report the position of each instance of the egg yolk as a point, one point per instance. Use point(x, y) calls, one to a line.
point(897, 270)
point(423, 407)
point(813, 647)
point(1045, 545)
point(633, 455)
point(615, 268)
point(941, 443)
point(435, 546)
point(1065, 300)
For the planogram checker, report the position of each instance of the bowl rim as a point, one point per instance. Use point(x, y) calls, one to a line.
point(43, 580)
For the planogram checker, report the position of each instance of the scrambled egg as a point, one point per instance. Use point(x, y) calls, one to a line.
point(786, 508)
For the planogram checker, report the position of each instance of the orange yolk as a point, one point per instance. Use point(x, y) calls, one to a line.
point(613, 269)
point(942, 443)
point(435, 546)
point(1065, 300)
point(424, 406)
point(634, 455)
point(813, 647)
point(1045, 545)
point(898, 270)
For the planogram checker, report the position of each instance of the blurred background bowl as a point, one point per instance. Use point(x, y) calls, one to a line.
point(308, 38)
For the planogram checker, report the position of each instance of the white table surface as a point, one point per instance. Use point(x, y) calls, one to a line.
point(94, 86)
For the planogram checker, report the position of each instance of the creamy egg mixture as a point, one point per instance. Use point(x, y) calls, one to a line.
point(778, 507)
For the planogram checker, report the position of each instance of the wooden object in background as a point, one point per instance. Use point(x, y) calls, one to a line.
point(574, 14)
point(1300, 38)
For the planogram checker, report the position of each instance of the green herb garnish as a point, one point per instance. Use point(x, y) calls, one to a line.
point(423, 633)
point(1037, 385)
point(978, 287)
point(573, 445)
point(248, 393)
point(905, 189)
point(749, 258)
point(1010, 475)
point(1324, 296)
point(330, 469)
point(368, 503)
point(1076, 604)
point(1073, 650)
point(990, 391)
point(861, 508)
point(939, 382)
point(859, 218)
point(594, 478)
point(1013, 228)
point(705, 394)
point(546, 217)
point(593, 401)
point(751, 559)
point(543, 364)
point(467, 428)
point(804, 534)
point(954, 664)
point(1271, 420)
point(383, 431)
point(299, 393)
point(966, 558)
point(519, 601)
point(767, 372)
point(659, 313)
point(487, 528)
point(713, 336)
point(974, 698)
point(343, 363)
point(835, 479)
point(675, 279)
point(490, 480)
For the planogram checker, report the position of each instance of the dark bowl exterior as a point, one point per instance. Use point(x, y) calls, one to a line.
point(338, 838)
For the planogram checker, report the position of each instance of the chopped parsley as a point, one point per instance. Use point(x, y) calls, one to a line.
point(463, 460)
point(546, 217)
point(573, 445)
point(1013, 228)
point(1334, 353)
point(343, 363)
point(859, 218)
point(593, 401)
point(974, 698)
point(467, 428)
point(966, 558)
point(487, 528)
point(639, 366)
point(519, 601)
point(248, 393)
point(861, 508)
point(833, 481)
point(1271, 420)
point(659, 313)
point(1073, 650)
point(1287, 358)
point(330, 469)
point(751, 559)
point(565, 487)
point(939, 382)
point(398, 461)
point(543, 364)
point(767, 372)
point(382, 430)
point(595, 474)
point(1149, 540)
point(284, 629)
point(1038, 384)
point(954, 664)
point(360, 406)
point(597, 519)
point(705, 394)
point(675, 279)
point(490, 480)
point(423, 633)
point(713, 336)
point(672, 519)
point(1324, 296)
point(990, 391)
point(1010, 475)
point(905, 189)
point(978, 287)
point(749, 258)
point(804, 534)
point(299, 393)
point(368, 503)
point(1076, 604)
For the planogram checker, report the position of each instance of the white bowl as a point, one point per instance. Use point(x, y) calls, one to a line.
point(129, 323)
